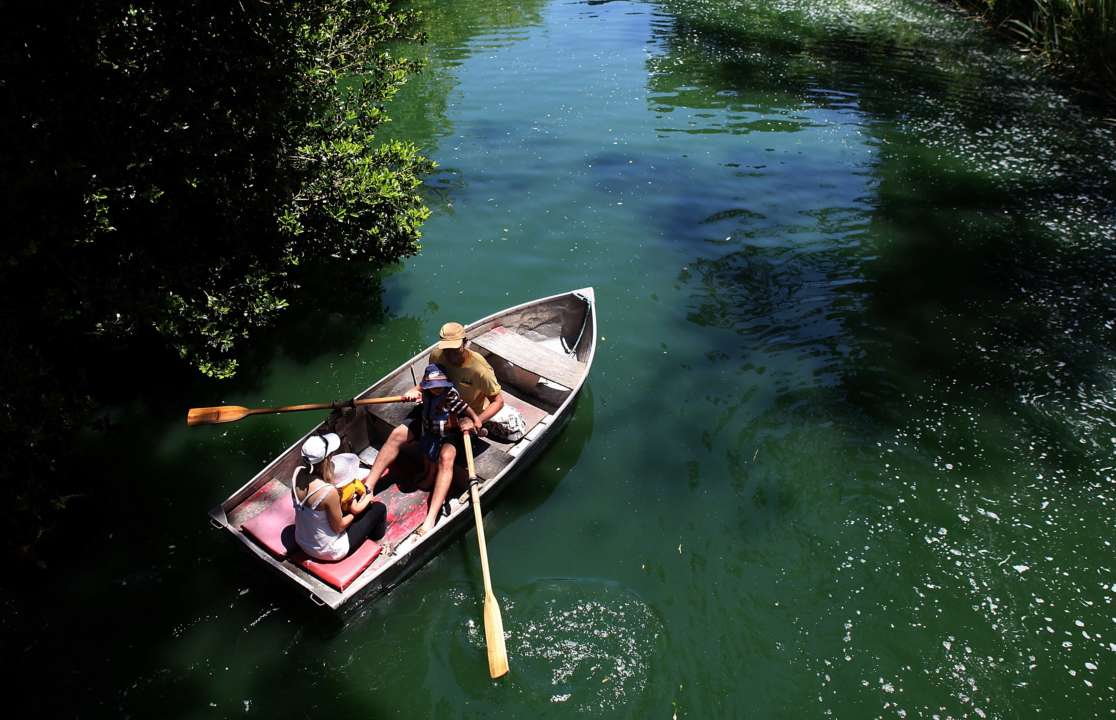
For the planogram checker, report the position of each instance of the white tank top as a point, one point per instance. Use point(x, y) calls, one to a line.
point(312, 531)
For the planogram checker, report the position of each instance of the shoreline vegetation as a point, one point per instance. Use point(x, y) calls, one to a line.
point(174, 172)
point(1075, 37)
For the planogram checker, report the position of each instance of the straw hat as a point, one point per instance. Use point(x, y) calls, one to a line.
point(452, 336)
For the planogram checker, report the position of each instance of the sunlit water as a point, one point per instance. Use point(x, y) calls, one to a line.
point(847, 449)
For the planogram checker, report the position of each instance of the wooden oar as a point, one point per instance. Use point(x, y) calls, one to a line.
point(232, 413)
point(493, 623)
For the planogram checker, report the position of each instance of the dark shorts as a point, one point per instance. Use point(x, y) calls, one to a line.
point(432, 444)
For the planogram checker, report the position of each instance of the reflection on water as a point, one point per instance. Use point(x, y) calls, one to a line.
point(937, 281)
point(456, 31)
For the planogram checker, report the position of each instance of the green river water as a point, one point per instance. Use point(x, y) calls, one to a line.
point(847, 449)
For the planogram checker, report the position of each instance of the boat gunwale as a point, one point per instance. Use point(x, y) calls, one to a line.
point(325, 595)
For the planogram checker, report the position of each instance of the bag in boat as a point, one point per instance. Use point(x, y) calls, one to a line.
point(507, 425)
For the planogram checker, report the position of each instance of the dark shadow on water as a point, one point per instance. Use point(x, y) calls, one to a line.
point(148, 628)
point(331, 311)
point(536, 485)
point(147, 554)
point(767, 66)
point(950, 286)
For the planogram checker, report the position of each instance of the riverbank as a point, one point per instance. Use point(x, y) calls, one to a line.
point(1077, 38)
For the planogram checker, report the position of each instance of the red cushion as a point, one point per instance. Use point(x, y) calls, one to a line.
point(340, 574)
point(274, 528)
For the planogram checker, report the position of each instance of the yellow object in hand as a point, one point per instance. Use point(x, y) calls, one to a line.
point(351, 492)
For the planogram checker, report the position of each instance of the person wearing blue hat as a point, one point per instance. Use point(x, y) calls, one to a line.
point(443, 411)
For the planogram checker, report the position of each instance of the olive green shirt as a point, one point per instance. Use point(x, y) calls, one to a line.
point(475, 380)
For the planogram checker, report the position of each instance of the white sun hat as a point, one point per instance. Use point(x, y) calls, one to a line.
point(346, 468)
point(317, 447)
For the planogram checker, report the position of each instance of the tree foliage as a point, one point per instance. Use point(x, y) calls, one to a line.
point(170, 167)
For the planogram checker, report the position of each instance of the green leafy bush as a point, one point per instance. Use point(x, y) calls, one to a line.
point(170, 168)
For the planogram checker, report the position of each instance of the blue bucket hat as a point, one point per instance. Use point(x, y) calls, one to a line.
point(435, 376)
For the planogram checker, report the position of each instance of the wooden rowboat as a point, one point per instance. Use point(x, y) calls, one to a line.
point(541, 352)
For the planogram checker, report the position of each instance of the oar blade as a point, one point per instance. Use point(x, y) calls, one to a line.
point(215, 415)
point(494, 638)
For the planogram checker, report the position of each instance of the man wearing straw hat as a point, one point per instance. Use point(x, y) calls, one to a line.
point(469, 372)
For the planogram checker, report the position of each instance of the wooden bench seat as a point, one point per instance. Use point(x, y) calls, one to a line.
point(391, 414)
point(533, 357)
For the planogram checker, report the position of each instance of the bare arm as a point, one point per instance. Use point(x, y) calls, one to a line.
point(356, 507)
point(471, 421)
point(495, 403)
point(338, 521)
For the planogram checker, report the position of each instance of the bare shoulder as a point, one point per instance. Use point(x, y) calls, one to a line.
point(331, 499)
point(312, 487)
